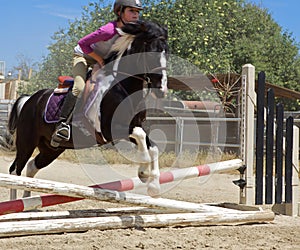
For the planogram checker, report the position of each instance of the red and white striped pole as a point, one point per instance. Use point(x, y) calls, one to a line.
point(30, 203)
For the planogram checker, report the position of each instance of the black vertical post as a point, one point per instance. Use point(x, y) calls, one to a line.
point(289, 159)
point(279, 154)
point(269, 147)
point(259, 139)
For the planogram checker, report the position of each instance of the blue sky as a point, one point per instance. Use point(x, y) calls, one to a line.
point(27, 25)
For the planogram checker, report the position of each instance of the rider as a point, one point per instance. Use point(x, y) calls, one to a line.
point(90, 50)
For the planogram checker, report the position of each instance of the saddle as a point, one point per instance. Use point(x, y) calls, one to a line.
point(56, 99)
point(64, 84)
point(86, 115)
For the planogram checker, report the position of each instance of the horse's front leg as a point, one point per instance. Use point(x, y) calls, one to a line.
point(153, 180)
point(148, 159)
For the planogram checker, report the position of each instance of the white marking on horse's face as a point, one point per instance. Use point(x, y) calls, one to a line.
point(164, 80)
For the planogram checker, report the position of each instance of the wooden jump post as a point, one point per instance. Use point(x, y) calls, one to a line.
point(36, 202)
point(248, 100)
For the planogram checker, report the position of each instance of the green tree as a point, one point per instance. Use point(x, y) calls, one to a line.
point(221, 36)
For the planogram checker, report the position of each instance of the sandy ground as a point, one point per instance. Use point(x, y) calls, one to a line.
point(282, 233)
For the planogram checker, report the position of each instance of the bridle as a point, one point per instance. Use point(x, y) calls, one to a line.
point(145, 78)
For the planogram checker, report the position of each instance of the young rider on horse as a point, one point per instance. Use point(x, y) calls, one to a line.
point(93, 49)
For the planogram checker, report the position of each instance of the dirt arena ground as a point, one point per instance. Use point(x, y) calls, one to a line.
point(282, 233)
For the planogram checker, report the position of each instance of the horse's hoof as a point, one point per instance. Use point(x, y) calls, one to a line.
point(154, 189)
point(143, 173)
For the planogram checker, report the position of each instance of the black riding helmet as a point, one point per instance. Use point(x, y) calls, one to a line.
point(120, 4)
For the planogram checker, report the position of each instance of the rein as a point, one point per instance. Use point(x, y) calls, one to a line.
point(145, 78)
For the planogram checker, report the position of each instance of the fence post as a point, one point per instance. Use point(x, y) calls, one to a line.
point(259, 168)
point(179, 135)
point(247, 132)
point(295, 178)
point(288, 159)
point(279, 154)
point(291, 205)
point(269, 147)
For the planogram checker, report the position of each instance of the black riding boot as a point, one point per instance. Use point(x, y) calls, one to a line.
point(62, 130)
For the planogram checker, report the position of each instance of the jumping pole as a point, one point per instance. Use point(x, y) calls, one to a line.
point(38, 227)
point(30, 203)
point(79, 191)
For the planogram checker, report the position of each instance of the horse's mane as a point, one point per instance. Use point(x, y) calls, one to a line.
point(122, 43)
point(140, 30)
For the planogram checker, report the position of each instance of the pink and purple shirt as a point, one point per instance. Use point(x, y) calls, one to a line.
point(99, 41)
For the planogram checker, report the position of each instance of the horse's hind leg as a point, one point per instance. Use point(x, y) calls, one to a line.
point(31, 171)
point(18, 165)
point(13, 192)
point(43, 159)
point(148, 158)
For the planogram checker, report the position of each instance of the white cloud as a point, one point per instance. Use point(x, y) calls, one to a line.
point(59, 11)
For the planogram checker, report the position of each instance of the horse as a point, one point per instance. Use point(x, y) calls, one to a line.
point(136, 66)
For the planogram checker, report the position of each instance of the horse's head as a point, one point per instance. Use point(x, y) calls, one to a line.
point(143, 46)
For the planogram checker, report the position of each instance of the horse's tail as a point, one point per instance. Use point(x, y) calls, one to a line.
point(15, 113)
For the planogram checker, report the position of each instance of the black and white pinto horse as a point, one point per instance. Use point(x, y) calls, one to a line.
point(137, 65)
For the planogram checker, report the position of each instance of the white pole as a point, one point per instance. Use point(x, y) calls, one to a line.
point(35, 227)
point(247, 132)
point(73, 190)
point(36, 202)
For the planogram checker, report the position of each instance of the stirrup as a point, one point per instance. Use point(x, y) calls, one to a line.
point(63, 131)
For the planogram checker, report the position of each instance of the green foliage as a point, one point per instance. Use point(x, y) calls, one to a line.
point(221, 36)
point(215, 36)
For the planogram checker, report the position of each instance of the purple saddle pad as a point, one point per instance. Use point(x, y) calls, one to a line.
point(53, 107)
point(56, 100)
